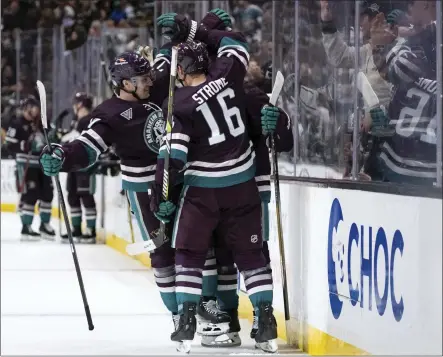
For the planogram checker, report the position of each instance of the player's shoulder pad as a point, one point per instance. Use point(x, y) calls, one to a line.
point(113, 108)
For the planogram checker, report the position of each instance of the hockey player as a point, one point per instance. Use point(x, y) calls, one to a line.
point(25, 139)
point(262, 120)
point(132, 121)
point(81, 184)
point(409, 154)
point(210, 143)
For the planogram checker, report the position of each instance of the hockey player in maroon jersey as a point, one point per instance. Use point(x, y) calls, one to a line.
point(81, 184)
point(262, 120)
point(132, 121)
point(210, 144)
point(25, 139)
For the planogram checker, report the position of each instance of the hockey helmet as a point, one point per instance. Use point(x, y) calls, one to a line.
point(127, 66)
point(84, 99)
point(193, 57)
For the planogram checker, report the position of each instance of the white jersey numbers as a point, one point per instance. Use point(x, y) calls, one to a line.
point(228, 114)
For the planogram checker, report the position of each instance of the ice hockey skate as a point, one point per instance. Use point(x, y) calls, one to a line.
point(89, 237)
point(46, 231)
point(266, 337)
point(76, 235)
point(229, 339)
point(28, 234)
point(211, 321)
point(185, 326)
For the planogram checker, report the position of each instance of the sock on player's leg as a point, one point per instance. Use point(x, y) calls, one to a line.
point(259, 287)
point(165, 280)
point(227, 287)
point(188, 285)
point(210, 278)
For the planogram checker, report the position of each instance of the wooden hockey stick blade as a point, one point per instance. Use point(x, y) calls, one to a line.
point(42, 94)
point(278, 85)
point(365, 88)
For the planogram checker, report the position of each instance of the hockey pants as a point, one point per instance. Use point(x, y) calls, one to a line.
point(37, 187)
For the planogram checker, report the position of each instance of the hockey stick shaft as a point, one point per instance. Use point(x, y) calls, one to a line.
point(42, 94)
point(131, 228)
point(278, 85)
point(165, 187)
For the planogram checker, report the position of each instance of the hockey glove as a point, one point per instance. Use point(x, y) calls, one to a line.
point(380, 123)
point(177, 27)
point(51, 164)
point(162, 210)
point(223, 16)
point(165, 211)
point(217, 19)
point(269, 118)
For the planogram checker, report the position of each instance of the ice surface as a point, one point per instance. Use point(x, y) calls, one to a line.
point(42, 311)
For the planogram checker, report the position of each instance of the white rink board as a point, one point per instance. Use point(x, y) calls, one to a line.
point(404, 313)
point(414, 275)
point(116, 213)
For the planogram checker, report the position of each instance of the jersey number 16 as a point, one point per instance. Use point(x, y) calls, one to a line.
point(217, 137)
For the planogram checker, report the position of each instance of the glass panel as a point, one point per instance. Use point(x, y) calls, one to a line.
point(322, 80)
point(398, 137)
point(439, 94)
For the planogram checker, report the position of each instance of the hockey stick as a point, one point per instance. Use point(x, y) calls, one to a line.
point(42, 93)
point(161, 238)
point(131, 228)
point(365, 88)
point(278, 85)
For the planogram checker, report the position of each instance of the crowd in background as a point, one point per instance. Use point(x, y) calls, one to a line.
point(326, 84)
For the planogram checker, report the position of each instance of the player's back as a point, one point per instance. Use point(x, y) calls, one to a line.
point(219, 152)
point(410, 154)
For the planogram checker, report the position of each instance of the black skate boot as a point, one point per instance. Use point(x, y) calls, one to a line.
point(28, 233)
point(266, 337)
point(76, 235)
point(211, 321)
point(254, 326)
point(46, 231)
point(89, 237)
point(185, 327)
point(228, 339)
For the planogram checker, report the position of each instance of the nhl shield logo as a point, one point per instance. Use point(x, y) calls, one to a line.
point(154, 129)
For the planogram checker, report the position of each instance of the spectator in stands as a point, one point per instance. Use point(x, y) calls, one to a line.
point(248, 19)
point(119, 12)
point(341, 55)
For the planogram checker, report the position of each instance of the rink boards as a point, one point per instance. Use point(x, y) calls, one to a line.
point(364, 269)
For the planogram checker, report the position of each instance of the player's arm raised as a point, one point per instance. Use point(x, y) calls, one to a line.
point(81, 152)
point(227, 44)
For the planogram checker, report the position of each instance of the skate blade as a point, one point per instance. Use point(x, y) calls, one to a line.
point(206, 328)
point(230, 339)
point(66, 240)
point(47, 236)
point(86, 241)
point(184, 346)
point(268, 346)
point(28, 238)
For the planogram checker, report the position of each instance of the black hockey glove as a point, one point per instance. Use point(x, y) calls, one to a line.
point(176, 27)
